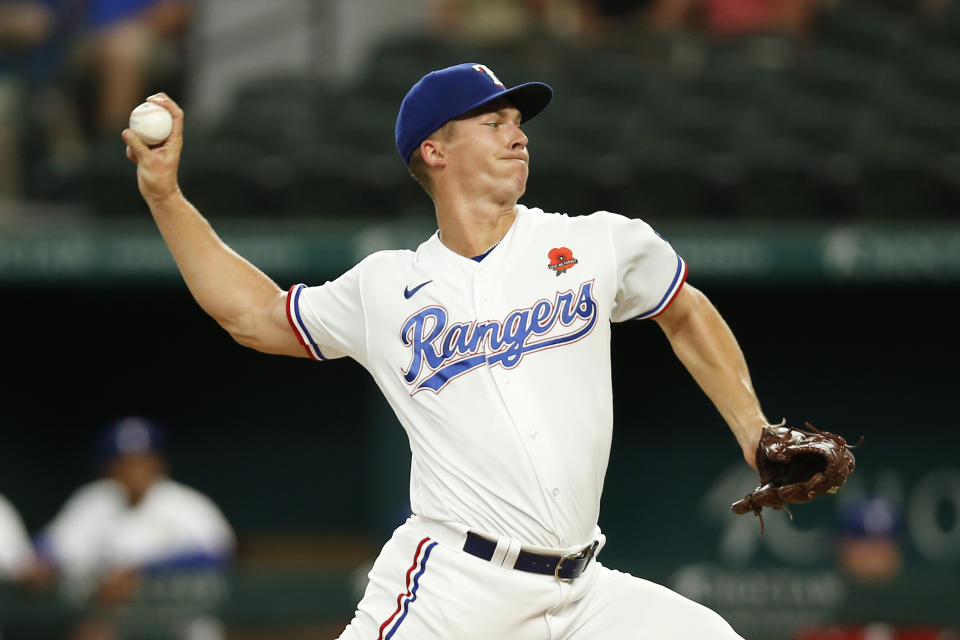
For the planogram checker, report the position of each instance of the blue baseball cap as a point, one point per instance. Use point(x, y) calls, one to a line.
point(447, 93)
point(870, 518)
point(127, 436)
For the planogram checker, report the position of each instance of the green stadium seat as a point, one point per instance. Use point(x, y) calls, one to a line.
point(357, 119)
point(836, 73)
point(558, 181)
point(867, 28)
point(592, 122)
point(237, 178)
point(297, 89)
point(271, 126)
point(679, 177)
point(936, 70)
point(828, 123)
point(417, 51)
point(941, 27)
point(107, 183)
point(857, 121)
point(336, 181)
point(785, 176)
point(903, 177)
point(929, 119)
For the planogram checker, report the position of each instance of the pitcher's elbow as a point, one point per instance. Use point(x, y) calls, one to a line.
point(241, 332)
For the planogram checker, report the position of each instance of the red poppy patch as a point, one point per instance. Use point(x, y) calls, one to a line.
point(561, 259)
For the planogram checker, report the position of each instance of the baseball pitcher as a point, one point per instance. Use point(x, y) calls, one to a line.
point(470, 338)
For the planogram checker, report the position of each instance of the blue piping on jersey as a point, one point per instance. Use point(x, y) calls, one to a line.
point(303, 327)
point(670, 290)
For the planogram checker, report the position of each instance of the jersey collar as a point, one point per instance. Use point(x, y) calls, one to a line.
point(433, 250)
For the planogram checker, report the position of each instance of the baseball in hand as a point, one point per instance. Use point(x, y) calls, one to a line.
point(151, 122)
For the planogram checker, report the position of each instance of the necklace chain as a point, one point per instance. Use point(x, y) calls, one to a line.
point(492, 247)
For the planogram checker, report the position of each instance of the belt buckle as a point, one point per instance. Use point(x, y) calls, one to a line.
point(586, 552)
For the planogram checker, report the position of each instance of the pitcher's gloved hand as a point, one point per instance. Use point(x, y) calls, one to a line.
point(795, 465)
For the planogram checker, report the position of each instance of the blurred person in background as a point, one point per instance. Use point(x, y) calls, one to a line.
point(869, 553)
point(26, 31)
point(16, 552)
point(509, 20)
point(135, 523)
point(868, 547)
point(493, 21)
point(130, 46)
point(732, 18)
point(72, 70)
point(602, 17)
point(24, 23)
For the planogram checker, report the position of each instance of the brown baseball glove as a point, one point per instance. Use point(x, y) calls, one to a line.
point(795, 465)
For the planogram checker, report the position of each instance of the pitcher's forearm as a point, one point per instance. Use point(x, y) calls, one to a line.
point(711, 354)
point(244, 301)
point(224, 284)
point(706, 346)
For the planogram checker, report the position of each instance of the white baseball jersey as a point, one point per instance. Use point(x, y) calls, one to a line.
point(16, 552)
point(499, 370)
point(97, 531)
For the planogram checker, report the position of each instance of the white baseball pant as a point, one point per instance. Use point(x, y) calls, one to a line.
point(424, 586)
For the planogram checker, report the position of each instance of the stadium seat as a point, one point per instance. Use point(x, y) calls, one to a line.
point(336, 181)
point(866, 28)
point(784, 177)
point(273, 128)
point(833, 72)
point(558, 181)
point(936, 71)
point(903, 176)
point(679, 177)
point(235, 178)
point(828, 123)
point(858, 120)
point(357, 119)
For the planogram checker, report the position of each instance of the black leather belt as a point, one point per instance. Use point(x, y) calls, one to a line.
point(563, 567)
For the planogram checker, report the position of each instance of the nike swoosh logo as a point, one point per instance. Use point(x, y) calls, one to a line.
point(408, 292)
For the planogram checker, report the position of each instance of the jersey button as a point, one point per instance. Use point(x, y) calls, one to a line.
point(534, 434)
point(556, 492)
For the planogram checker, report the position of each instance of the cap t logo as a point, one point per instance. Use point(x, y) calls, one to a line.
point(485, 69)
point(561, 259)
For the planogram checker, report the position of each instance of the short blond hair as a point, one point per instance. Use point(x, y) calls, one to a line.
point(418, 167)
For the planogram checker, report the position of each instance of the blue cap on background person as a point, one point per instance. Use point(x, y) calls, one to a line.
point(870, 518)
point(447, 93)
point(130, 435)
point(869, 542)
